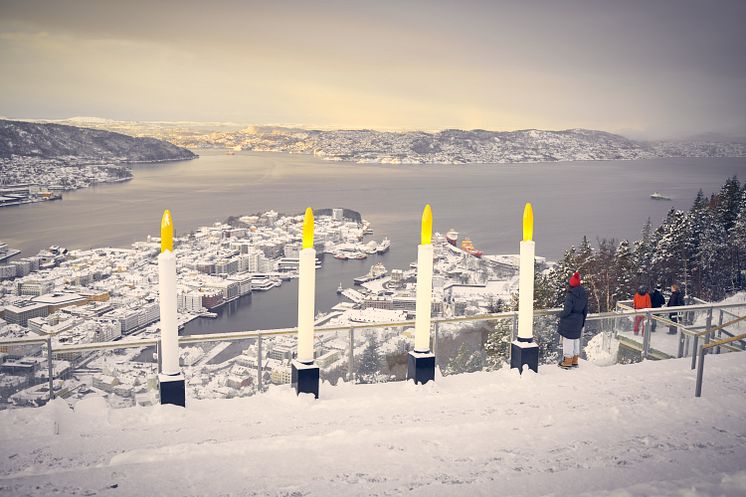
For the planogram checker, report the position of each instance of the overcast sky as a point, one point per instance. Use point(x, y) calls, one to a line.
point(645, 69)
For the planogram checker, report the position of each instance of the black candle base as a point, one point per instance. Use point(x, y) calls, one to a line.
point(421, 367)
point(305, 378)
point(172, 389)
point(524, 353)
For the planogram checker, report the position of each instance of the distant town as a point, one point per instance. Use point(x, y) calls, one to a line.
point(104, 294)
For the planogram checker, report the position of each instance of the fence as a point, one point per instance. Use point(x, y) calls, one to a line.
point(246, 362)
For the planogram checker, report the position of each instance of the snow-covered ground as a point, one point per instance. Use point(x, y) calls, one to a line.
point(633, 430)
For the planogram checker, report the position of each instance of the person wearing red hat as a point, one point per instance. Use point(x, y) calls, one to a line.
point(571, 322)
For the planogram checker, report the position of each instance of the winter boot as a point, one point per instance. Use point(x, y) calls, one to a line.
point(576, 361)
point(566, 363)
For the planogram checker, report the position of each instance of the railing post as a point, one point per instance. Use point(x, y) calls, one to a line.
point(515, 327)
point(646, 336)
point(695, 344)
point(681, 342)
point(720, 323)
point(50, 367)
point(259, 364)
point(351, 357)
point(435, 339)
point(158, 355)
point(700, 372)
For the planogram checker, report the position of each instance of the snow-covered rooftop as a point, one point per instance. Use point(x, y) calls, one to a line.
point(620, 431)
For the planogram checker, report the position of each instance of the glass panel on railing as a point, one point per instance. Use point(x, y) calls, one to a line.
point(332, 353)
point(24, 378)
point(229, 369)
point(122, 377)
point(381, 354)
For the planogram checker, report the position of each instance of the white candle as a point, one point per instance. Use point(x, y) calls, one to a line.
point(169, 324)
point(526, 278)
point(423, 305)
point(306, 305)
point(526, 291)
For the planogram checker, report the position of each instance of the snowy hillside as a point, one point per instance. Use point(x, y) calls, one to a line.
point(54, 141)
point(455, 146)
point(616, 431)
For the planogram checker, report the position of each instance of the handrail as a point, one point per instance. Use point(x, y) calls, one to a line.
point(725, 341)
point(239, 335)
point(720, 327)
point(703, 350)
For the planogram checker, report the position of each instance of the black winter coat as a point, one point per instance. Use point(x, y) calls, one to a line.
point(675, 299)
point(657, 299)
point(574, 312)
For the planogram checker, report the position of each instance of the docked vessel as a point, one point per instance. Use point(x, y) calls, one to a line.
point(468, 247)
point(378, 270)
point(384, 246)
point(659, 196)
point(452, 237)
point(263, 283)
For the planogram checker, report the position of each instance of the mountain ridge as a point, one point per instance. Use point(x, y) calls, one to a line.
point(61, 141)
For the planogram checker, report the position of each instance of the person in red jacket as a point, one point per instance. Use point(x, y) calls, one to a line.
point(641, 301)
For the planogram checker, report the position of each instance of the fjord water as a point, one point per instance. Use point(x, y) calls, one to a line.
point(484, 202)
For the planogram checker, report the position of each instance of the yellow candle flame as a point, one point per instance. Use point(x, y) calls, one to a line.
point(308, 229)
point(167, 232)
point(528, 222)
point(427, 225)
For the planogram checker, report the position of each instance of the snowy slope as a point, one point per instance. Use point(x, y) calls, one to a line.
point(615, 431)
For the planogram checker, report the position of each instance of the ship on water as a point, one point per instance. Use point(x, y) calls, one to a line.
point(378, 270)
point(468, 247)
point(384, 246)
point(452, 237)
point(659, 196)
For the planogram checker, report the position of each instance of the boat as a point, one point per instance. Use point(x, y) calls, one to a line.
point(357, 256)
point(377, 270)
point(371, 247)
point(340, 289)
point(384, 246)
point(341, 256)
point(452, 236)
point(468, 247)
point(263, 283)
point(659, 196)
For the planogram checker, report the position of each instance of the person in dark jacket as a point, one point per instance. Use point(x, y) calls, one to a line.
point(676, 299)
point(571, 322)
point(657, 300)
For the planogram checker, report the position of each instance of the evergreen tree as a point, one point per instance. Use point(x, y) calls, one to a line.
point(623, 271)
point(729, 202)
point(369, 365)
point(466, 360)
point(670, 261)
point(643, 252)
point(737, 243)
point(497, 344)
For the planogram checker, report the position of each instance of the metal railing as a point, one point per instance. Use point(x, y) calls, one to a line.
point(704, 349)
point(624, 311)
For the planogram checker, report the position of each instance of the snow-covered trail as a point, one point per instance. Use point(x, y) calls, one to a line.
point(620, 430)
